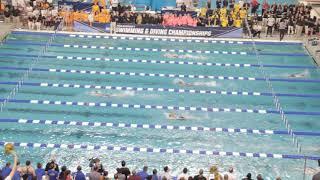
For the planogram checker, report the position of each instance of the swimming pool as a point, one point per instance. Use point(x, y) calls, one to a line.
point(224, 88)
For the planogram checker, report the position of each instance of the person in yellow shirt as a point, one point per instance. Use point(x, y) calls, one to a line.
point(203, 12)
point(224, 22)
point(84, 16)
point(223, 11)
point(238, 22)
point(106, 13)
point(95, 9)
point(243, 13)
point(237, 7)
point(76, 16)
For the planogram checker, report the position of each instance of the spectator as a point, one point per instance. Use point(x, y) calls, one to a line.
point(183, 7)
point(291, 26)
point(214, 173)
point(79, 174)
point(105, 175)
point(28, 171)
point(299, 26)
point(62, 175)
point(7, 15)
point(17, 174)
point(124, 170)
point(120, 176)
point(230, 172)
point(317, 176)
point(16, 16)
point(166, 174)
point(248, 177)
point(218, 4)
point(200, 176)
point(134, 176)
point(68, 175)
point(282, 29)
point(5, 171)
point(183, 175)
point(52, 163)
point(270, 25)
point(155, 175)
point(144, 173)
point(259, 177)
point(94, 175)
point(254, 6)
point(39, 172)
point(13, 170)
point(265, 7)
point(52, 171)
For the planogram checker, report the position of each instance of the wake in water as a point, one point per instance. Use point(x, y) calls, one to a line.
point(303, 74)
point(180, 82)
point(106, 95)
point(186, 56)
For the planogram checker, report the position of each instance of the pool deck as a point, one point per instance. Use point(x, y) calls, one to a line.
point(5, 30)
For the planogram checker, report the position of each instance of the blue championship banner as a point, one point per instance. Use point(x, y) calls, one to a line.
point(160, 30)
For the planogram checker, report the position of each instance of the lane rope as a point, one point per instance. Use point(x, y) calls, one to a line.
point(150, 89)
point(158, 150)
point(238, 65)
point(23, 43)
point(165, 39)
point(159, 107)
point(155, 126)
point(240, 78)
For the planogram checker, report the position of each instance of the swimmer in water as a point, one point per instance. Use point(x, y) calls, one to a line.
point(187, 56)
point(98, 94)
point(175, 116)
point(168, 55)
point(120, 95)
point(180, 82)
point(299, 75)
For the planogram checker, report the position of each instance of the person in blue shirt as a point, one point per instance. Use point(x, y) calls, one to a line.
point(79, 174)
point(144, 173)
point(155, 175)
point(6, 170)
point(52, 173)
point(40, 171)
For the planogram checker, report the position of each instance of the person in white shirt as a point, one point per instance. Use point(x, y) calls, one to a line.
point(270, 24)
point(166, 175)
point(183, 175)
point(230, 174)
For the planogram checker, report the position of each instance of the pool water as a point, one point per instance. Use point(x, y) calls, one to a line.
point(21, 47)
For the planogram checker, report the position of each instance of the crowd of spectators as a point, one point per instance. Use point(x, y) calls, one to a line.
point(293, 19)
point(33, 14)
point(52, 171)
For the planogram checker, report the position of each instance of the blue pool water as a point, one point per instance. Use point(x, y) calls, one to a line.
point(20, 49)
